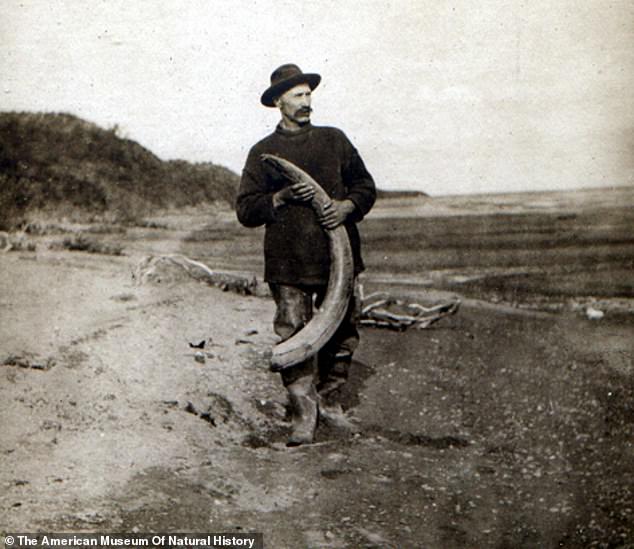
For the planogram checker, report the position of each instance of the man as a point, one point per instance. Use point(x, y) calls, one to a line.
point(295, 245)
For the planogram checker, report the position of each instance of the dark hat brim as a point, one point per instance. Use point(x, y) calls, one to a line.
point(271, 94)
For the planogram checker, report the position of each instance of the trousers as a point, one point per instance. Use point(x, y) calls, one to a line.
point(295, 306)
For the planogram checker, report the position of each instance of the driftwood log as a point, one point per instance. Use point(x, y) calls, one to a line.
point(162, 269)
point(384, 311)
point(5, 242)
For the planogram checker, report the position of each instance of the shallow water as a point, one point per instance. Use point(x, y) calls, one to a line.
point(521, 248)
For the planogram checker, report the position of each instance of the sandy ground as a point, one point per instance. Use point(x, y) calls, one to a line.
point(496, 427)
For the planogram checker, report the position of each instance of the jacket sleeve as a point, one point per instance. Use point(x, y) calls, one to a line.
point(358, 181)
point(254, 202)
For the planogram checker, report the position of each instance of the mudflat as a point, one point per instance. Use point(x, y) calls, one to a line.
point(508, 424)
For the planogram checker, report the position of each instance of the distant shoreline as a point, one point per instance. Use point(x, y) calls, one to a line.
point(387, 194)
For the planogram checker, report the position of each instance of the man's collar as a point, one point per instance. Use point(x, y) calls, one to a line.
point(290, 133)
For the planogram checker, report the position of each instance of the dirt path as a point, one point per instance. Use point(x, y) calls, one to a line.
point(121, 387)
point(491, 429)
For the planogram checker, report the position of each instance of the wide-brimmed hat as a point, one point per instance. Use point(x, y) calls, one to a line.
point(284, 78)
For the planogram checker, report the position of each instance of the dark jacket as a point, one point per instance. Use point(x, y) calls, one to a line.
point(295, 245)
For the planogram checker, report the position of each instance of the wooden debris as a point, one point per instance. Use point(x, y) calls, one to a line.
point(5, 242)
point(379, 309)
point(383, 311)
point(157, 269)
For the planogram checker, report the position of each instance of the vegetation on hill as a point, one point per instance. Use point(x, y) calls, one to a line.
point(64, 165)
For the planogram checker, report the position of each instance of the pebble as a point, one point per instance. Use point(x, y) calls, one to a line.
point(594, 314)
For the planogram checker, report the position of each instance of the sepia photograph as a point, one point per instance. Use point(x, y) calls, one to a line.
point(340, 274)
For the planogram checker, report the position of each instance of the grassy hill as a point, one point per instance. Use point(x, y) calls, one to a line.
point(64, 165)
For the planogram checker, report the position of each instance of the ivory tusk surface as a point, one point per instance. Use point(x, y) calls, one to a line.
point(322, 326)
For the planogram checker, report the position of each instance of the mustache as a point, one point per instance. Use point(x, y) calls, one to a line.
point(303, 110)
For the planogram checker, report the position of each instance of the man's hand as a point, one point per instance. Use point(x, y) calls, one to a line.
point(335, 213)
point(298, 192)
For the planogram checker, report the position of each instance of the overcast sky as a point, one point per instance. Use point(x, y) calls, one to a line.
point(445, 97)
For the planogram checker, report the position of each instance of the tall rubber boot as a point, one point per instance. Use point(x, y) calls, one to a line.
point(303, 400)
point(332, 414)
point(333, 373)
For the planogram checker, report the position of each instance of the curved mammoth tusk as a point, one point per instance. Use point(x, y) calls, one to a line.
point(322, 326)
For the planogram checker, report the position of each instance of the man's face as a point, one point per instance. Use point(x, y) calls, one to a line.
point(294, 105)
